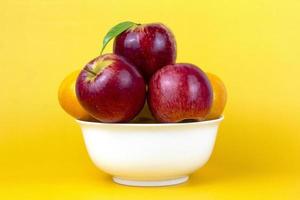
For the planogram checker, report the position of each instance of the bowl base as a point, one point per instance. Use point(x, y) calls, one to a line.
point(150, 183)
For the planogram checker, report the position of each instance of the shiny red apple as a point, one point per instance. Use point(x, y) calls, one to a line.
point(111, 89)
point(149, 47)
point(179, 92)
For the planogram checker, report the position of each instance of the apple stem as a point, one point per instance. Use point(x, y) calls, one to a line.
point(90, 71)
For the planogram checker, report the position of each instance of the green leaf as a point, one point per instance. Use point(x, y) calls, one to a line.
point(115, 31)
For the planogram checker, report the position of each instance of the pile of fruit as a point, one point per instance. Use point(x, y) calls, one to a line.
point(140, 81)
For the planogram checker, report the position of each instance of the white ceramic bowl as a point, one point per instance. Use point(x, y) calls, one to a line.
point(150, 154)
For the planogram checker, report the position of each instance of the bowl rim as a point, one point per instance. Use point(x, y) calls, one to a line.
point(212, 121)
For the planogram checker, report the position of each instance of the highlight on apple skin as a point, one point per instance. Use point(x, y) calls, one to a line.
point(180, 92)
point(149, 47)
point(111, 89)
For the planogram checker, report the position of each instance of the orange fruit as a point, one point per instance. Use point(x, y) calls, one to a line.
point(219, 96)
point(68, 100)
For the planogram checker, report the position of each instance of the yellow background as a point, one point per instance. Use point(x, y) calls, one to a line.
point(254, 46)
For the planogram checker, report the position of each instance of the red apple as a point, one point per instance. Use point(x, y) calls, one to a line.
point(179, 92)
point(111, 89)
point(149, 47)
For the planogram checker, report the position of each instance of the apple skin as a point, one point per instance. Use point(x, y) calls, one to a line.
point(113, 92)
point(179, 92)
point(149, 47)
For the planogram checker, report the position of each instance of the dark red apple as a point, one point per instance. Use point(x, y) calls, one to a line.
point(111, 89)
point(149, 47)
point(179, 92)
